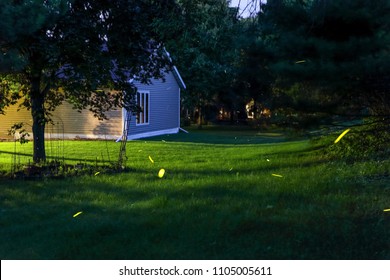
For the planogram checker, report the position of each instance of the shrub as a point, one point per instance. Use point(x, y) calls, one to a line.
point(361, 142)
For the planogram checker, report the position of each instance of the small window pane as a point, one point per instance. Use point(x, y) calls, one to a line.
point(146, 108)
point(143, 106)
point(138, 105)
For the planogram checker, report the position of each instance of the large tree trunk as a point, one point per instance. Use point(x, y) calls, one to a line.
point(200, 116)
point(38, 115)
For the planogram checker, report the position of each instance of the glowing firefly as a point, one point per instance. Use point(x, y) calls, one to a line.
point(151, 160)
point(300, 61)
point(78, 213)
point(386, 210)
point(97, 173)
point(342, 135)
point(161, 173)
point(276, 175)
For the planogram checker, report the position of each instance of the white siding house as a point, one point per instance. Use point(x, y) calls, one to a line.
point(159, 100)
point(160, 103)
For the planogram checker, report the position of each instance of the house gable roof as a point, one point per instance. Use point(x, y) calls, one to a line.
point(178, 78)
point(176, 73)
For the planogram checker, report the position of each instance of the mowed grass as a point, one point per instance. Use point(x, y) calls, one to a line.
point(219, 199)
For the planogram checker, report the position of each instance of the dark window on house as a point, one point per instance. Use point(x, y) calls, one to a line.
point(143, 106)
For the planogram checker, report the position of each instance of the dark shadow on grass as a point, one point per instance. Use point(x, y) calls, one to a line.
point(202, 222)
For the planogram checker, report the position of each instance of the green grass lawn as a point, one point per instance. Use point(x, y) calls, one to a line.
point(217, 200)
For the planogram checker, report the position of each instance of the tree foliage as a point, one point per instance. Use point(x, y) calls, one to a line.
point(204, 49)
point(81, 51)
point(335, 53)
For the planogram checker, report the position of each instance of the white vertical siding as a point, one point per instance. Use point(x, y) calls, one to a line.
point(164, 106)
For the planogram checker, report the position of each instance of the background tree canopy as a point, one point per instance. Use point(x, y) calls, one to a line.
point(330, 55)
point(204, 49)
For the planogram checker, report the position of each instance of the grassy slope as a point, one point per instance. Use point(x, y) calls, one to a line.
point(216, 201)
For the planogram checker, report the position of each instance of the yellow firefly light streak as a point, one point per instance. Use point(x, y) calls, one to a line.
point(386, 210)
point(161, 173)
point(342, 135)
point(277, 175)
point(151, 160)
point(78, 213)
